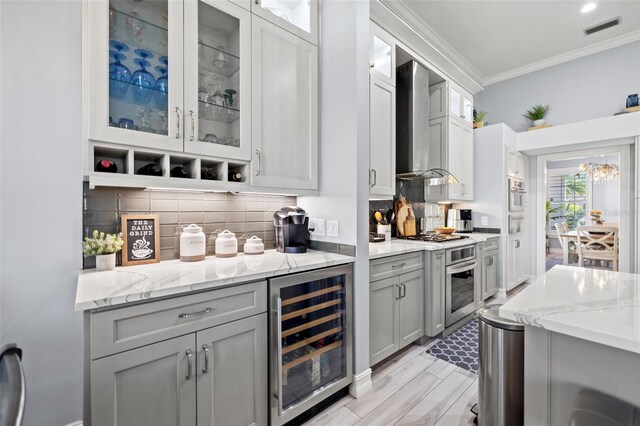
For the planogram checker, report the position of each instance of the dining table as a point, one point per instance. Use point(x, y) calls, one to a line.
point(573, 236)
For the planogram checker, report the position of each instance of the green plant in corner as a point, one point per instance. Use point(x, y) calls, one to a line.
point(100, 243)
point(480, 116)
point(537, 113)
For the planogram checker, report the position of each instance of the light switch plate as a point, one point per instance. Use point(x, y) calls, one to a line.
point(317, 225)
point(484, 221)
point(333, 228)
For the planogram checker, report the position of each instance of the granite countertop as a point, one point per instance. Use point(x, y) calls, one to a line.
point(142, 282)
point(591, 304)
point(399, 246)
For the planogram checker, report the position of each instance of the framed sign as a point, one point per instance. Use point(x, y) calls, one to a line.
point(141, 237)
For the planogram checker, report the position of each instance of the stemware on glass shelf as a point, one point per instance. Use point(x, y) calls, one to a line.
point(162, 83)
point(142, 80)
point(119, 75)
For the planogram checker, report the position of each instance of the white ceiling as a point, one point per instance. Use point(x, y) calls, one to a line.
point(499, 39)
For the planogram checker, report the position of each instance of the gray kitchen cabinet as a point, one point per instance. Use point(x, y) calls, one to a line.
point(232, 373)
point(383, 333)
point(434, 293)
point(397, 307)
point(489, 273)
point(151, 385)
point(195, 359)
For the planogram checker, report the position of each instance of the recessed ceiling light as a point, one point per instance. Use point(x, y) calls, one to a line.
point(588, 7)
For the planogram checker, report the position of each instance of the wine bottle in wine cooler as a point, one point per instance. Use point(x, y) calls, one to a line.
point(179, 172)
point(106, 166)
point(150, 169)
point(235, 176)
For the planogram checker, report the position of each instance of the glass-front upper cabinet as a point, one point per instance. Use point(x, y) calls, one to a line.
point(218, 79)
point(299, 17)
point(135, 72)
point(382, 58)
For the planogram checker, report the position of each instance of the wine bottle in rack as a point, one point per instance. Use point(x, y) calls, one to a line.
point(208, 173)
point(150, 169)
point(179, 172)
point(106, 166)
point(235, 176)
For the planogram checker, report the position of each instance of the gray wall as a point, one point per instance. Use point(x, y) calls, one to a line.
point(40, 174)
point(589, 87)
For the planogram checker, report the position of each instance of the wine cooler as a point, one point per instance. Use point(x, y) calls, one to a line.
point(310, 339)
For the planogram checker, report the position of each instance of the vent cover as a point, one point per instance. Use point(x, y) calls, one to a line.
point(603, 26)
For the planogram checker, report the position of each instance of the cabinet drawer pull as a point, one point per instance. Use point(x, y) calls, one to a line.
point(189, 364)
point(205, 348)
point(401, 265)
point(194, 314)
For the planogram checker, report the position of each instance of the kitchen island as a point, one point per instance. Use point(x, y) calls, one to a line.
point(582, 345)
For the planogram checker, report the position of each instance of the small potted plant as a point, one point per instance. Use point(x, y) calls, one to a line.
point(478, 119)
point(537, 113)
point(104, 247)
point(596, 217)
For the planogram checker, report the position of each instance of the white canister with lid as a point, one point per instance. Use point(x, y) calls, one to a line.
point(253, 245)
point(192, 244)
point(226, 244)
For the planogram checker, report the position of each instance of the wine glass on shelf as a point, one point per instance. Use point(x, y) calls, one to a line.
point(119, 75)
point(162, 83)
point(142, 80)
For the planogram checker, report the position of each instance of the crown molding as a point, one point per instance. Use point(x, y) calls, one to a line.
point(564, 57)
point(426, 32)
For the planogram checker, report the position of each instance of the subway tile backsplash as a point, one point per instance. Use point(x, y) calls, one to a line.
point(243, 214)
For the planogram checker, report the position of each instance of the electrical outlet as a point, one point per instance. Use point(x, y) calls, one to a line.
point(484, 221)
point(317, 225)
point(333, 228)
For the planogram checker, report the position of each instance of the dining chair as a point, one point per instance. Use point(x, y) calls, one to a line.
point(599, 243)
point(563, 228)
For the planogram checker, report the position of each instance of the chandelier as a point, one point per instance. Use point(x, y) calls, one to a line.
point(601, 172)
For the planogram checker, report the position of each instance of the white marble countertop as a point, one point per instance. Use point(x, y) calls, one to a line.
point(142, 282)
point(596, 305)
point(399, 246)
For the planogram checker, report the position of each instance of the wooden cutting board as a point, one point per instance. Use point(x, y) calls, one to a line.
point(403, 211)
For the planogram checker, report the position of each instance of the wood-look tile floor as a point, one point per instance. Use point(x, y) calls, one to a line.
point(411, 388)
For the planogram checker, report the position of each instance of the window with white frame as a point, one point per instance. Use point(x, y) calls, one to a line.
point(567, 198)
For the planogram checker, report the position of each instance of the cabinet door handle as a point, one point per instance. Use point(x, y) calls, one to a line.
point(399, 292)
point(189, 364)
point(403, 287)
point(372, 66)
point(375, 177)
point(259, 161)
point(257, 1)
point(489, 261)
point(517, 243)
point(205, 348)
point(178, 123)
point(193, 125)
point(194, 314)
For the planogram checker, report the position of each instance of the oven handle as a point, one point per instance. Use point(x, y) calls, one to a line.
point(467, 267)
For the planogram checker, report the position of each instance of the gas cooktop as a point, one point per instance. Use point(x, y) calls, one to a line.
point(432, 237)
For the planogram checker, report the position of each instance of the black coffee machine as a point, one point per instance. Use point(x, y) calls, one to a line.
point(292, 230)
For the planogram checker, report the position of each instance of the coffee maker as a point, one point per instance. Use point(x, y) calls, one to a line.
point(292, 230)
point(460, 220)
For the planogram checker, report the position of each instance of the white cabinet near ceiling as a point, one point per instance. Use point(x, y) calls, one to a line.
point(382, 139)
point(449, 99)
point(285, 109)
point(382, 54)
point(299, 17)
point(460, 160)
point(131, 98)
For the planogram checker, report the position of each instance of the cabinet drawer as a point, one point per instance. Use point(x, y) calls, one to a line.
point(491, 244)
point(389, 266)
point(122, 329)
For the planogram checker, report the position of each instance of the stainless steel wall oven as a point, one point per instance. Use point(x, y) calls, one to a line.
point(462, 281)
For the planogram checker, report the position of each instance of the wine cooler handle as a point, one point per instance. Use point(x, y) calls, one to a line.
point(193, 125)
point(189, 364)
point(205, 348)
point(259, 161)
point(178, 122)
point(279, 354)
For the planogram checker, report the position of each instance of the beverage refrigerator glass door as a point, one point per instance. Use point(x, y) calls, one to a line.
point(516, 195)
point(310, 339)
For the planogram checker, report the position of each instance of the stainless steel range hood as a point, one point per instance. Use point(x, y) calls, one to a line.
point(416, 157)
